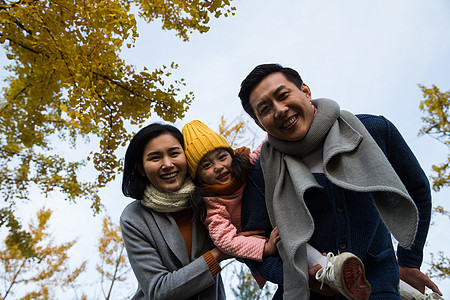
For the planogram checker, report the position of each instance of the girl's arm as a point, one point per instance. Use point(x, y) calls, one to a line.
point(225, 235)
point(254, 156)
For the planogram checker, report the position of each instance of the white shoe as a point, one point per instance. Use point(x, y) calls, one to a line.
point(432, 296)
point(407, 292)
point(344, 273)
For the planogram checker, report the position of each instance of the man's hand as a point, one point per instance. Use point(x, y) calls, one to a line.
point(315, 285)
point(417, 279)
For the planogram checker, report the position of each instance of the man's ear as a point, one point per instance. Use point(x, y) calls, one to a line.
point(260, 125)
point(307, 91)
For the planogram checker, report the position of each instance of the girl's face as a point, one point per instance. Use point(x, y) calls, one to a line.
point(164, 163)
point(214, 168)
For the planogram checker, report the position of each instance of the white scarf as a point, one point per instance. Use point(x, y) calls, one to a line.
point(167, 202)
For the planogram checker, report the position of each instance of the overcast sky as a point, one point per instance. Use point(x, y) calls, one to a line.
point(369, 56)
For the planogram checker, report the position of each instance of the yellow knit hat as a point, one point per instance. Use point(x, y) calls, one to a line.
point(199, 139)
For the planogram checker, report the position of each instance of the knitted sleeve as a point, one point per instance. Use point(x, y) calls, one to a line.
point(413, 177)
point(254, 156)
point(225, 235)
point(212, 263)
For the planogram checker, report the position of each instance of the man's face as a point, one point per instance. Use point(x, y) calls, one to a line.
point(281, 108)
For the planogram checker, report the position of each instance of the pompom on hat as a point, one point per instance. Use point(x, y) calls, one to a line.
point(199, 139)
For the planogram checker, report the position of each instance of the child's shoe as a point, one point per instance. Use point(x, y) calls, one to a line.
point(344, 273)
point(408, 292)
point(432, 296)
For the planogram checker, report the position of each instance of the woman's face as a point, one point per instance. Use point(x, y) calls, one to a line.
point(164, 163)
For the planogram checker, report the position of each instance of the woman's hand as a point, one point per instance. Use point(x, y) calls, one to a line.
point(270, 248)
point(219, 255)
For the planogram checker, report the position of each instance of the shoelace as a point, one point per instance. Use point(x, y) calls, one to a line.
point(432, 296)
point(327, 271)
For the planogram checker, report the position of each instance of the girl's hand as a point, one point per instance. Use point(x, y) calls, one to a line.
point(270, 248)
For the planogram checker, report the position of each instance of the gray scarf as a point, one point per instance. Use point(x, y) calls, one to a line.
point(167, 202)
point(351, 160)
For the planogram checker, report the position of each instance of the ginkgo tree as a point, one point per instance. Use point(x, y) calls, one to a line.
point(436, 123)
point(233, 131)
point(436, 106)
point(37, 277)
point(114, 262)
point(67, 83)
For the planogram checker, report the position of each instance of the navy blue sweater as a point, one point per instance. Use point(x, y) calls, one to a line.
point(349, 221)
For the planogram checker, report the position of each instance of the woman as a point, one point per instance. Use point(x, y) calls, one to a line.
point(169, 250)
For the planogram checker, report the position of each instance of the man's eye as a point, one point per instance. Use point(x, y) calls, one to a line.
point(284, 95)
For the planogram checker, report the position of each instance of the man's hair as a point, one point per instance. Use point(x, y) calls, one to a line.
point(257, 75)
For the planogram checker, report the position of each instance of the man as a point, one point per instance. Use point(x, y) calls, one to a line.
point(337, 181)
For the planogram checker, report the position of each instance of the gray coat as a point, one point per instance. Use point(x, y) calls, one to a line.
point(159, 258)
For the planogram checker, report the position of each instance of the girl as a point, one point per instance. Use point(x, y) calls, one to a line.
point(169, 251)
point(222, 190)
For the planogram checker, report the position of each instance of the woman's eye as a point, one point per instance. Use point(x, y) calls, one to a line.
point(264, 110)
point(153, 158)
point(223, 157)
point(174, 154)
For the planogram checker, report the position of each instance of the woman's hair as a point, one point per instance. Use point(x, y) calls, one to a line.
point(198, 203)
point(133, 183)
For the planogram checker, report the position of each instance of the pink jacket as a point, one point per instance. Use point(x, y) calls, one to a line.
point(223, 219)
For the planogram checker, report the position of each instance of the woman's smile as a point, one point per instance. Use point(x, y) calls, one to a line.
point(164, 163)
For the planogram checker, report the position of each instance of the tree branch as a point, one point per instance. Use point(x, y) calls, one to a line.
point(115, 272)
point(13, 281)
point(24, 46)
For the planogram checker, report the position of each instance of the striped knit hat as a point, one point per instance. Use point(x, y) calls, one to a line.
point(199, 139)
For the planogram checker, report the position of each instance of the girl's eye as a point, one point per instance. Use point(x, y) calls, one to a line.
point(206, 165)
point(153, 158)
point(223, 157)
